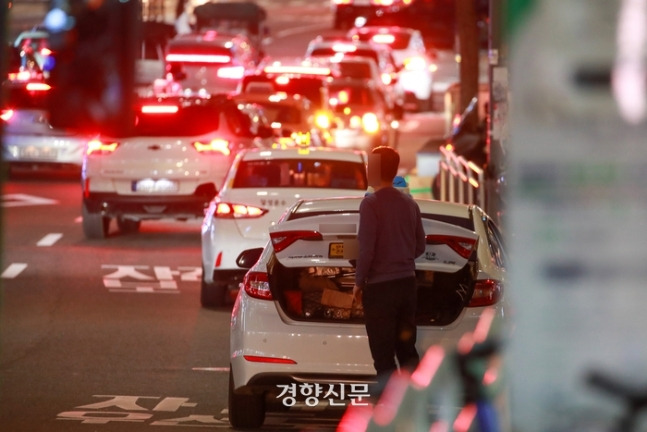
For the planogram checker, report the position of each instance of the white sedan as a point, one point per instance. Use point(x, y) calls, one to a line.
point(259, 187)
point(297, 335)
point(169, 165)
point(30, 142)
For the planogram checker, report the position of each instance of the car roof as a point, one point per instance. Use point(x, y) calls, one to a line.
point(351, 204)
point(304, 153)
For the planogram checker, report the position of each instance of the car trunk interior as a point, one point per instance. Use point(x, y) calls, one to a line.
point(324, 294)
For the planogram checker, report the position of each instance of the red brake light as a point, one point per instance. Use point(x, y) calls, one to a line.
point(344, 48)
point(6, 114)
point(283, 239)
point(231, 72)
point(262, 359)
point(486, 293)
point(198, 58)
point(97, 147)
point(383, 38)
point(460, 245)
point(37, 86)
point(237, 211)
point(256, 284)
point(159, 109)
point(215, 146)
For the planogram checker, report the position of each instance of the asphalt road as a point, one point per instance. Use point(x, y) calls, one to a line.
point(109, 335)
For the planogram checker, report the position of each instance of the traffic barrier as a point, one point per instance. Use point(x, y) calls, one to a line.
point(460, 180)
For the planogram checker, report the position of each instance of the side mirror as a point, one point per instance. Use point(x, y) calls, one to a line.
point(248, 258)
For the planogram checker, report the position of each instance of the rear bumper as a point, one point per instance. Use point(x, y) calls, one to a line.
point(151, 206)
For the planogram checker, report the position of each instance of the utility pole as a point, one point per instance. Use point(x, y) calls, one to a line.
point(468, 49)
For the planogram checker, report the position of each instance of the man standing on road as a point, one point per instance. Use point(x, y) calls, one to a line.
point(390, 238)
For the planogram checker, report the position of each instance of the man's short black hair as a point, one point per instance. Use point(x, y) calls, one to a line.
point(389, 160)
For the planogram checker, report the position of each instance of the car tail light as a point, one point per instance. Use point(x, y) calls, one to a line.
point(344, 47)
point(462, 246)
point(263, 359)
point(98, 147)
point(323, 120)
point(231, 72)
point(283, 239)
point(215, 146)
point(198, 58)
point(387, 78)
point(257, 285)
point(383, 38)
point(486, 293)
point(370, 123)
point(415, 63)
point(159, 109)
point(6, 114)
point(339, 2)
point(226, 210)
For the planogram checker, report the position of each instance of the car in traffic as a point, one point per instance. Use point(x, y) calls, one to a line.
point(336, 48)
point(169, 164)
point(30, 142)
point(259, 187)
point(293, 117)
point(362, 117)
point(209, 62)
point(294, 325)
point(345, 12)
point(34, 43)
point(415, 63)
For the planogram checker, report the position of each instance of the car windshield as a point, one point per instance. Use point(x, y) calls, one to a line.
point(308, 173)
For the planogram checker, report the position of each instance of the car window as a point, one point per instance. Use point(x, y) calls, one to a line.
point(187, 121)
point(308, 87)
point(287, 173)
point(18, 97)
point(341, 96)
point(496, 244)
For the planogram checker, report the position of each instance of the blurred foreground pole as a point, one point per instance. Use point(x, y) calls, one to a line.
point(577, 210)
point(468, 49)
point(94, 45)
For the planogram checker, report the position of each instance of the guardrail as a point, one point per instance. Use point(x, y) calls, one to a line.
point(461, 391)
point(460, 180)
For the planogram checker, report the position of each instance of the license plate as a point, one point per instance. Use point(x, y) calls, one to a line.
point(46, 153)
point(155, 186)
point(336, 250)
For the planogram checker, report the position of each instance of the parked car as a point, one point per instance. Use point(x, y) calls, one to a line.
point(170, 164)
point(294, 323)
point(259, 187)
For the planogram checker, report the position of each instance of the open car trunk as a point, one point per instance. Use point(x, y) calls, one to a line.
point(312, 278)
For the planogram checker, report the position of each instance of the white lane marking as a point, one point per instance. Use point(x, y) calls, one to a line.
point(13, 270)
point(18, 200)
point(49, 239)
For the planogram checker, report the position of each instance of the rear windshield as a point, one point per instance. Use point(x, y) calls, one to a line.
point(329, 52)
point(308, 87)
point(344, 95)
point(187, 121)
point(315, 173)
point(18, 97)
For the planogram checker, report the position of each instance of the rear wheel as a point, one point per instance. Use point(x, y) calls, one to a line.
point(128, 226)
point(95, 225)
point(246, 411)
point(212, 294)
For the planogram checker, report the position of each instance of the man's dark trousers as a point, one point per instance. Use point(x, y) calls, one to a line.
point(389, 312)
